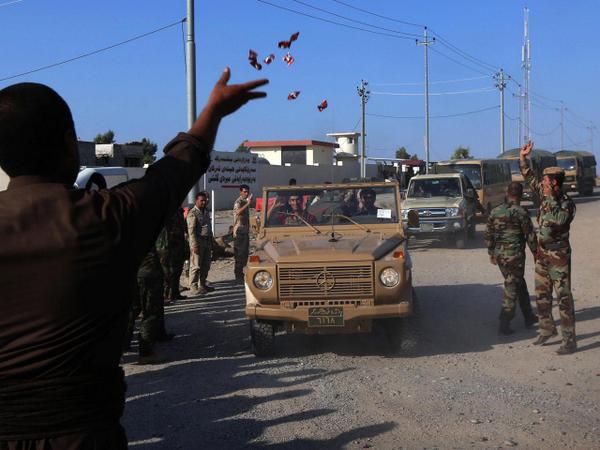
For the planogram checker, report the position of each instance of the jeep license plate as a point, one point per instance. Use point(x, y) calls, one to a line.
point(326, 317)
point(426, 227)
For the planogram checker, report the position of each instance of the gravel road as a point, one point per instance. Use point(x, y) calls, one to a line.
point(465, 386)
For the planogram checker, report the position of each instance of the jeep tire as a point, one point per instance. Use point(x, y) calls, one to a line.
point(262, 337)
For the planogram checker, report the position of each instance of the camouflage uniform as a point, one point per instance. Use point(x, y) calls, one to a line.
point(241, 234)
point(200, 235)
point(553, 265)
point(508, 229)
point(171, 251)
point(148, 300)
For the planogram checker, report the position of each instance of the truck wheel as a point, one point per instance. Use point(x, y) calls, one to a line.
point(461, 239)
point(262, 336)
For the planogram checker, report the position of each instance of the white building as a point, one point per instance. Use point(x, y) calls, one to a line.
point(292, 153)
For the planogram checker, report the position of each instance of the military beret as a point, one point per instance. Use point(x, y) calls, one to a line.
point(553, 171)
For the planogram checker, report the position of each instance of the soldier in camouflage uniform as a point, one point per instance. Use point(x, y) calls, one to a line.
point(241, 231)
point(200, 236)
point(148, 300)
point(172, 254)
point(553, 265)
point(508, 229)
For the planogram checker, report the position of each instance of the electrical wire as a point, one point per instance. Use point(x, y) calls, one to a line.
point(322, 19)
point(419, 94)
point(355, 21)
point(432, 82)
point(94, 52)
point(436, 116)
point(458, 62)
point(10, 3)
point(465, 55)
point(380, 15)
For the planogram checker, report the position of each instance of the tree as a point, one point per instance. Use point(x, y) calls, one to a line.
point(149, 148)
point(414, 156)
point(242, 148)
point(402, 153)
point(105, 138)
point(461, 153)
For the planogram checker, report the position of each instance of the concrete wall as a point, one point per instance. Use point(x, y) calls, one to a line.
point(322, 156)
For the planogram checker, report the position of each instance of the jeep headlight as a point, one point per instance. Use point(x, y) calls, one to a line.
point(389, 277)
point(451, 212)
point(263, 280)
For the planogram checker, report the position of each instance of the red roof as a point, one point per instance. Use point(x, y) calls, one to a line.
point(305, 143)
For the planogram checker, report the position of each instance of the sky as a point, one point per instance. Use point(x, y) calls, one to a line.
point(139, 89)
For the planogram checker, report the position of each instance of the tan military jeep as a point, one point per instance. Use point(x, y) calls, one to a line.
point(330, 258)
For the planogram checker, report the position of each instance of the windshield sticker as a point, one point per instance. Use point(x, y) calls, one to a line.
point(384, 213)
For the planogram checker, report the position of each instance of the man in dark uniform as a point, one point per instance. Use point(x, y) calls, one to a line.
point(172, 255)
point(508, 229)
point(62, 331)
point(553, 265)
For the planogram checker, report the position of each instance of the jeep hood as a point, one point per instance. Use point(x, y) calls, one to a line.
point(432, 202)
point(301, 249)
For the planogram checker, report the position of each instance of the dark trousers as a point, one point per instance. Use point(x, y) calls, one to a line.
point(241, 248)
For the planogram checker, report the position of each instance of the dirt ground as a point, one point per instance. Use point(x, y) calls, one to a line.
point(466, 387)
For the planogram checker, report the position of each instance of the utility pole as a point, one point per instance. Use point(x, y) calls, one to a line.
point(562, 110)
point(501, 84)
point(591, 129)
point(363, 93)
point(191, 83)
point(426, 43)
point(526, 66)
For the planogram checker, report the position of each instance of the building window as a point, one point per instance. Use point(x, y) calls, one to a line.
point(293, 155)
point(350, 140)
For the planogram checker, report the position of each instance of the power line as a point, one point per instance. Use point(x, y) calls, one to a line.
point(333, 22)
point(380, 15)
point(418, 94)
point(464, 54)
point(434, 117)
point(10, 3)
point(355, 21)
point(458, 62)
point(94, 52)
point(458, 80)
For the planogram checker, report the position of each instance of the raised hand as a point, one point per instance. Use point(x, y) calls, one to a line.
point(526, 150)
point(225, 99)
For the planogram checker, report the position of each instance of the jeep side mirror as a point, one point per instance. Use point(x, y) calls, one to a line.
point(413, 218)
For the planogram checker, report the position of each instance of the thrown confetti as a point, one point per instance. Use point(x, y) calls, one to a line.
point(253, 58)
point(287, 44)
point(293, 95)
point(289, 59)
point(322, 106)
point(269, 59)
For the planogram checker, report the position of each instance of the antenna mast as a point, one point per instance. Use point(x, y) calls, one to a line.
point(526, 66)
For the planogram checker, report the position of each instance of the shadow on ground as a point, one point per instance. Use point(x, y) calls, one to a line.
point(200, 397)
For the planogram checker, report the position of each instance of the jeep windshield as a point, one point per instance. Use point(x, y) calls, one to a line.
point(363, 205)
point(471, 171)
point(434, 187)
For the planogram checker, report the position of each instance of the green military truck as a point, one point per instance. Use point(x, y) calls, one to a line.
point(580, 170)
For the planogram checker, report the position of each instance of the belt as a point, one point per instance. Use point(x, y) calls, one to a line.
point(555, 246)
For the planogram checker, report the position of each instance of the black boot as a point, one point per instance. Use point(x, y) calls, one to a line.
point(530, 319)
point(504, 328)
point(146, 353)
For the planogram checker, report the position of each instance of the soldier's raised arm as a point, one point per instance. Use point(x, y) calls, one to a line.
point(526, 170)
